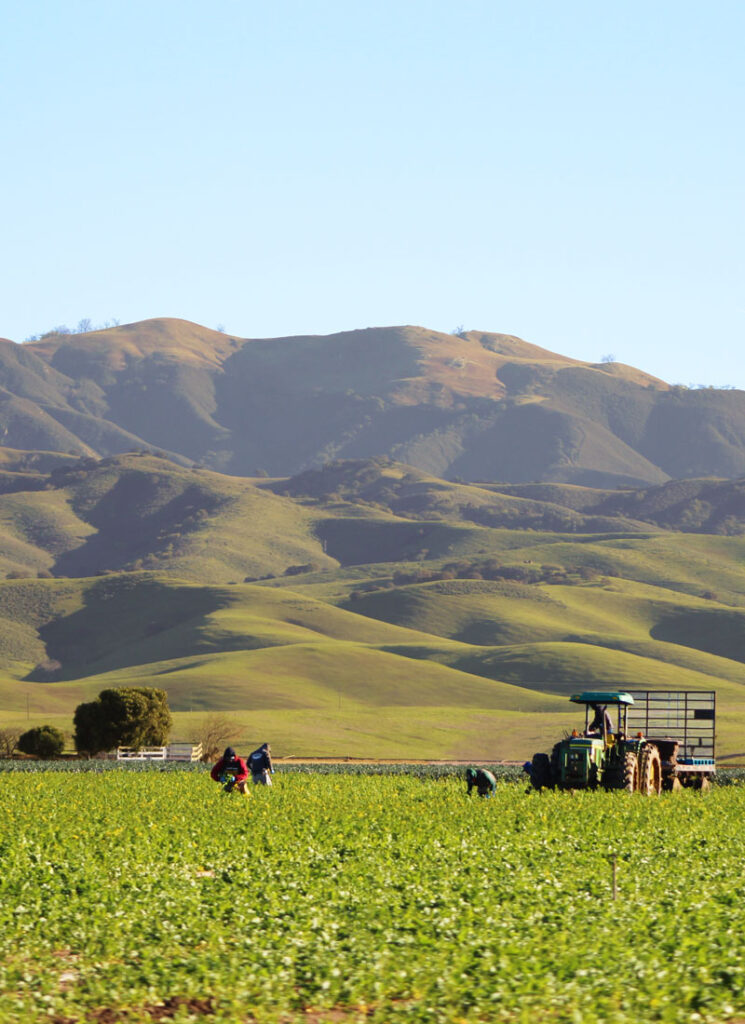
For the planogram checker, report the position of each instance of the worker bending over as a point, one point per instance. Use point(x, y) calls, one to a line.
point(231, 771)
point(482, 779)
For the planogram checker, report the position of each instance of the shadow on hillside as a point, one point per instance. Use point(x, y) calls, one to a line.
point(366, 541)
point(716, 632)
point(128, 621)
point(137, 520)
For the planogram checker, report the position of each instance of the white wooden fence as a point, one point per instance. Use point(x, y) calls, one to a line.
point(172, 752)
point(184, 751)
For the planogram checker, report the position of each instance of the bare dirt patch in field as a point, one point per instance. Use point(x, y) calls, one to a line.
point(164, 1011)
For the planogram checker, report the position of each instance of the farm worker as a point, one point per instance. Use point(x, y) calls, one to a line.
point(260, 764)
point(482, 779)
point(232, 771)
point(601, 722)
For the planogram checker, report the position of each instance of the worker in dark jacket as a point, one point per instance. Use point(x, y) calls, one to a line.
point(231, 771)
point(602, 721)
point(482, 780)
point(260, 765)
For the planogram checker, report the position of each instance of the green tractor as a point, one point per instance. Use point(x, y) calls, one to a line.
point(656, 742)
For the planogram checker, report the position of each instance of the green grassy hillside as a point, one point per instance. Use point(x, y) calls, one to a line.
point(456, 654)
point(367, 608)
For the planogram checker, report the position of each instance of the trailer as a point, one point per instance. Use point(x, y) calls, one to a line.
point(682, 725)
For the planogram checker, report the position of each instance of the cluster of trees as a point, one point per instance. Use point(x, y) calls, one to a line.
point(489, 569)
point(42, 741)
point(133, 716)
point(85, 326)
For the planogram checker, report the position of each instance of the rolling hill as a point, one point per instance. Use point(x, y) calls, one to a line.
point(475, 406)
point(364, 608)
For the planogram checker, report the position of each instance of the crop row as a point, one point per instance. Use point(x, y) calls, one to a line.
point(135, 896)
point(502, 772)
point(420, 771)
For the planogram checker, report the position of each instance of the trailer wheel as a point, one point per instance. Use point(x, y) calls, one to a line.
point(673, 785)
point(703, 783)
point(650, 770)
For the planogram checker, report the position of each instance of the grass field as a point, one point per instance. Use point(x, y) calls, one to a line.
point(154, 897)
point(364, 609)
point(454, 668)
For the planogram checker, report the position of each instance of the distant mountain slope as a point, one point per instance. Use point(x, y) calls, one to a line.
point(476, 405)
point(136, 511)
point(68, 516)
point(692, 506)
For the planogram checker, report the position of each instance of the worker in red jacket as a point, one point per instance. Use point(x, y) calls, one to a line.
point(231, 771)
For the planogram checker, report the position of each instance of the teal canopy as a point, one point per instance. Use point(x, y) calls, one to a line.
point(602, 697)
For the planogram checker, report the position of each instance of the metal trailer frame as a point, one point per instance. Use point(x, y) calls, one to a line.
point(687, 717)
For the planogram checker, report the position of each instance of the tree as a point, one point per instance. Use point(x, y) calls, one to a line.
point(215, 732)
point(90, 735)
point(134, 716)
point(44, 741)
point(9, 741)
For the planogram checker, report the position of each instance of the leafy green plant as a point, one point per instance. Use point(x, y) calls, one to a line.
point(343, 898)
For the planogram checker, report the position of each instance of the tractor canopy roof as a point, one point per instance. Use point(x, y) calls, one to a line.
point(602, 697)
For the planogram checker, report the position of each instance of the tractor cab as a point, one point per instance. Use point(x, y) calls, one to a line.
point(599, 722)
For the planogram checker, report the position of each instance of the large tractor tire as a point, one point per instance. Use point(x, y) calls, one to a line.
point(624, 774)
point(541, 776)
point(650, 770)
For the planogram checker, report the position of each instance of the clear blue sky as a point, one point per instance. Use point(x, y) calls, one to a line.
point(569, 172)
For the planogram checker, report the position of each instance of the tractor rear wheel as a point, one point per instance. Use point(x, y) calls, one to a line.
point(624, 773)
point(541, 775)
point(650, 770)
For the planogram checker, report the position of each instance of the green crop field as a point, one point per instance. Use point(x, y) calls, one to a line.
point(144, 896)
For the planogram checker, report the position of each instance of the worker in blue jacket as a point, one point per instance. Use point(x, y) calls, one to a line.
point(260, 765)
